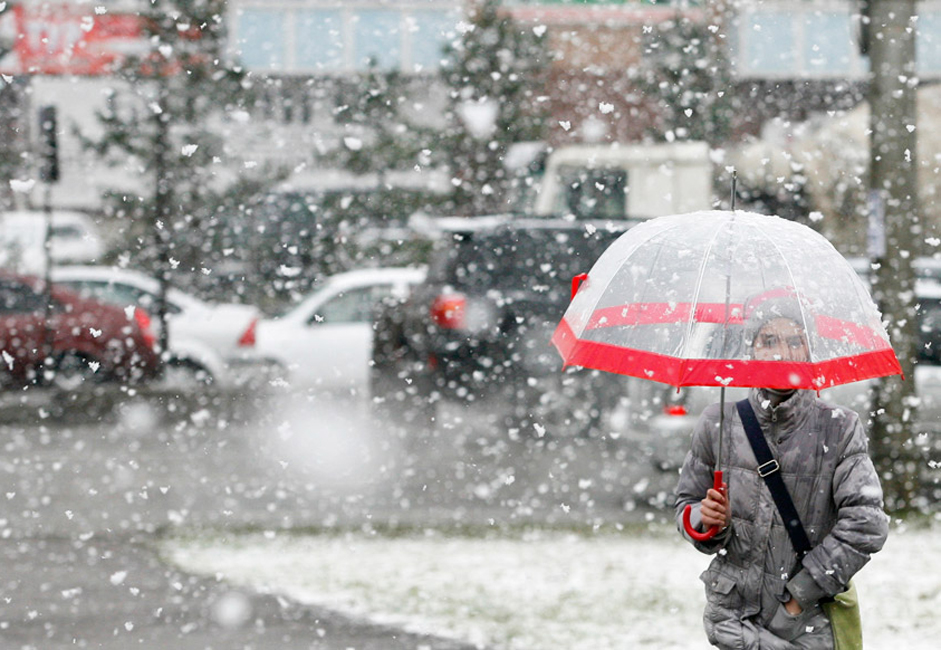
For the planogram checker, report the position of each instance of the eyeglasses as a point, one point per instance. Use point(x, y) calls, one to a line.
point(794, 342)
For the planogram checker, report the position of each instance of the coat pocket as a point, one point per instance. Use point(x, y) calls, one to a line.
point(721, 590)
point(789, 627)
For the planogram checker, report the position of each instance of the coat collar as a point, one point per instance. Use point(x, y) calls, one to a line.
point(787, 416)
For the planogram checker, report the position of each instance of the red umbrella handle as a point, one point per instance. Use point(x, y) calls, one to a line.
point(709, 534)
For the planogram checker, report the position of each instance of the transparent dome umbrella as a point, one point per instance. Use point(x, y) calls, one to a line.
point(676, 300)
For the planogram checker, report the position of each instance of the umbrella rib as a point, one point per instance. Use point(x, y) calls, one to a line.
point(696, 293)
point(628, 255)
point(790, 275)
point(698, 290)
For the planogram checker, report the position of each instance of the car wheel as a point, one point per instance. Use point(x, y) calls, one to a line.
point(73, 371)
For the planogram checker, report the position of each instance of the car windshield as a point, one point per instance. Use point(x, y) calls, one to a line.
point(67, 232)
point(592, 193)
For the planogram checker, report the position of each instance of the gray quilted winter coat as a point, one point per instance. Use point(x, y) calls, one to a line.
point(822, 450)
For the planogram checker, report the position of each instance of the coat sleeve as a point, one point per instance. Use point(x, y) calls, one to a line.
point(861, 526)
point(696, 477)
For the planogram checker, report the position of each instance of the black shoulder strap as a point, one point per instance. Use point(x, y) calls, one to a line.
point(769, 470)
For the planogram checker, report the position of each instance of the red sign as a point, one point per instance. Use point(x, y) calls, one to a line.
point(64, 39)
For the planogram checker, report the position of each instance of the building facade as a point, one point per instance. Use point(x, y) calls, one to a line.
point(788, 59)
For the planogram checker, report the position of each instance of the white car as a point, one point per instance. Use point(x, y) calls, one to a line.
point(73, 238)
point(325, 342)
point(211, 343)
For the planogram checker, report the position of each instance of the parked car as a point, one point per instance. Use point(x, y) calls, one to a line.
point(324, 342)
point(74, 239)
point(209, 343)
point(88, 341)
point(479, 327)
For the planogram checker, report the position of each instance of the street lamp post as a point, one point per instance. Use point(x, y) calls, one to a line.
point(49, 174)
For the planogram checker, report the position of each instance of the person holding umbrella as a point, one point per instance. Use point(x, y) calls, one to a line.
point(765, 588)
point(736, 299)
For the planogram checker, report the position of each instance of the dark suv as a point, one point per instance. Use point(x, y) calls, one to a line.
point(479, 326)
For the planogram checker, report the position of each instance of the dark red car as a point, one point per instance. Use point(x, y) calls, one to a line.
point(88, 341)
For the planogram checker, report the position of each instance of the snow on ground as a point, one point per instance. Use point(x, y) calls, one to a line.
point(545, 590)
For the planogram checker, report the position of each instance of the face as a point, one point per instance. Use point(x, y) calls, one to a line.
point(781, 339)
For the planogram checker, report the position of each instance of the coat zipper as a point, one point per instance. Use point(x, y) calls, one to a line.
point(774, 426)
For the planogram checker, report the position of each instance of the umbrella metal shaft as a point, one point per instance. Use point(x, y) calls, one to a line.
point(721, 427)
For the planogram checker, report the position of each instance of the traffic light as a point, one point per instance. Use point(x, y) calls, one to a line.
point(49, 145)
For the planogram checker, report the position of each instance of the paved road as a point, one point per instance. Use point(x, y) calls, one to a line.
point(89, 485)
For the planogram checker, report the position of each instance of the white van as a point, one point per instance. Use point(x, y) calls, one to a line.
point(74, 240)
point(625, 181)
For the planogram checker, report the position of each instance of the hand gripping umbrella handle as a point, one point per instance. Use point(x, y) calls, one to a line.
point(709, 534)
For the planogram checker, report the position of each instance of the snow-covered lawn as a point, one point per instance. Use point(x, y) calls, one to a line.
point(545, 590)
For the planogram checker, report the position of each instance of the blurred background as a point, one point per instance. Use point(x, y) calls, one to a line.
point(295, 264)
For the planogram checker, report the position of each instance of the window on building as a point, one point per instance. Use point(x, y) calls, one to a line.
point(302, 37)
point(798, 40)
point(767, 42)
point(829, 46)
point(928, 43)
point(261, 38)
point(319, 40)
point(377, 39)
point(430, 33)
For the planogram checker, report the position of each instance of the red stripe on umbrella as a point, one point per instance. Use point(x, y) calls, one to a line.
point(723, 372)
point(650, 313)
point(656, 313)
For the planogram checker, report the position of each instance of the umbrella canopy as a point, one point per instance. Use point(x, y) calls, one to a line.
point(677, 300)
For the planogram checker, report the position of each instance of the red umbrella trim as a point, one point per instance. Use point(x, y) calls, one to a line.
point(722, 372)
